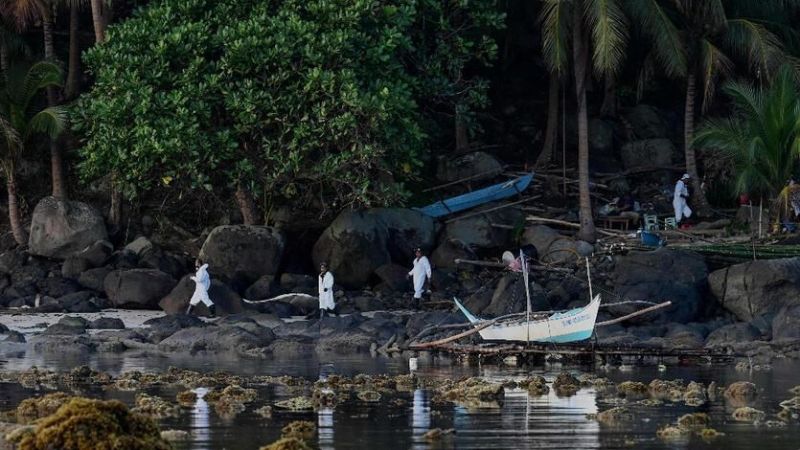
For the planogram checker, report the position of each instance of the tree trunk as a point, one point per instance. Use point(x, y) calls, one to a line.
point(552, 123)
point(57, 169)
point(609, 107)
point(14, 216)
point(462, 137)
point(115, 210)
point(246, 205)
point(4, 62)
point(98, 20)
point(73, 71)
point(580, 56)
point(699, 197)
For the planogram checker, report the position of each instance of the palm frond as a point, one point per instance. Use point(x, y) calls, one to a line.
point(50, 121)
point(9, 136)
point(761, 139)
point(555, 19)
point(669, 46)
point(713, 64)
point(40, 76)
point(752, 41)
point(22, 12)
point(609, 29)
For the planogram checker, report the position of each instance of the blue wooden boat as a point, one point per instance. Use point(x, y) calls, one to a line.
point(477, 198)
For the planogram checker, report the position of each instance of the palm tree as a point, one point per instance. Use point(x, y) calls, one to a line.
point(99, 21)
point(761, 138)
point(698, 40)
point(583, 25)
point(20, 120)
point(22, 12)
point(74, 64)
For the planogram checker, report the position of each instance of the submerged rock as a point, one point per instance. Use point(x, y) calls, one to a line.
point(748, 414)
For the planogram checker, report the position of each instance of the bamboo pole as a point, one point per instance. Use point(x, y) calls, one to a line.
point(477, 213)
point(633, 314)
point(501, 265)
point(570, 224)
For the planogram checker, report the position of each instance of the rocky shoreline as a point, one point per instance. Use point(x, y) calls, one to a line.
point(71, 267)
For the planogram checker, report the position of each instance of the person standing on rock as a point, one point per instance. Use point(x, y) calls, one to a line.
point(202, 283)
point(421, 272)
point(326, 302)
point(679, 199)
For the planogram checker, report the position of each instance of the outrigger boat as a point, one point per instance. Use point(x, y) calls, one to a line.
point(561, 327)
point(472, 199)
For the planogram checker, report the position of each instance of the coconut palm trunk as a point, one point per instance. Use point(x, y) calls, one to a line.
point(4, 56)
point(698, 196)
point(56, 165)
point(73, 71)
point(552, 123)
point(99, 21)
point(246, 205)
point(580, 55)
point(14, 216)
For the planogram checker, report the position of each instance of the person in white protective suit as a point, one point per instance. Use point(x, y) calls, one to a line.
point(679, 199)
point(421, 272)
point(326, 302)
point(202, 283)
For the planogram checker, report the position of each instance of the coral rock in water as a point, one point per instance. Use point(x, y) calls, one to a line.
point(747, 414)
point(85, 424)
point(287, 444)
point(299, 429)
point(741, 391)
point(35, 408)
point(694, 421)
point(615, 415)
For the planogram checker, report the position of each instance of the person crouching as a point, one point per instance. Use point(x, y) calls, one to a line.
point(326, 302)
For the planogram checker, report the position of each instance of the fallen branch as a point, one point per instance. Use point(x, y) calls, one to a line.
point(613, 176)
point(282, 297)
point(501, 265)
point(455, 337)
point(570, 224)
point(485, 174)
point(633, 314)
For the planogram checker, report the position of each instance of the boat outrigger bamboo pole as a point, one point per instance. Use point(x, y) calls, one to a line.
point(589, 277)
point(524, 265)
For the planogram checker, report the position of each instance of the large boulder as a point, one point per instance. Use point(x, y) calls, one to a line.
point(137, 288)
point(678, 276)
point(786, 324)
point(475, 165)
point(755, 288)
point(226, 301)
point(647, 153)
point(358, 242)
point(647, 122)
point(729, 335)
point(554, 247)
point(241, 254)
point(477, 232)
point(509, 297)
point(60, 229)
point(448, 251)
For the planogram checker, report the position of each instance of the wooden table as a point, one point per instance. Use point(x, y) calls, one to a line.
point(616, 222)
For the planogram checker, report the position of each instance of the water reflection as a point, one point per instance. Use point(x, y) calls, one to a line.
point(200, 426)
point(420, 419)
point(325, 429)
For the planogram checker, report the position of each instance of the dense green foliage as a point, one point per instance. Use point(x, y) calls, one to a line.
point(308, 101)
point(761, 139)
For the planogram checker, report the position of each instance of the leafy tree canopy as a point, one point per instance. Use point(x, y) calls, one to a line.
point(296, 100)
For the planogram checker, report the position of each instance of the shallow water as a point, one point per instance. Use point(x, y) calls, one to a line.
point(520, 421)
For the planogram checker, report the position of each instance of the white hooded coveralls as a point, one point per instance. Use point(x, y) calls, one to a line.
point(202, 283)
point(420, 272)
point(326, 292)
point(679, 202)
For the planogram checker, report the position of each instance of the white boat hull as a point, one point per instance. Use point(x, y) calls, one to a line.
point(570, 326)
